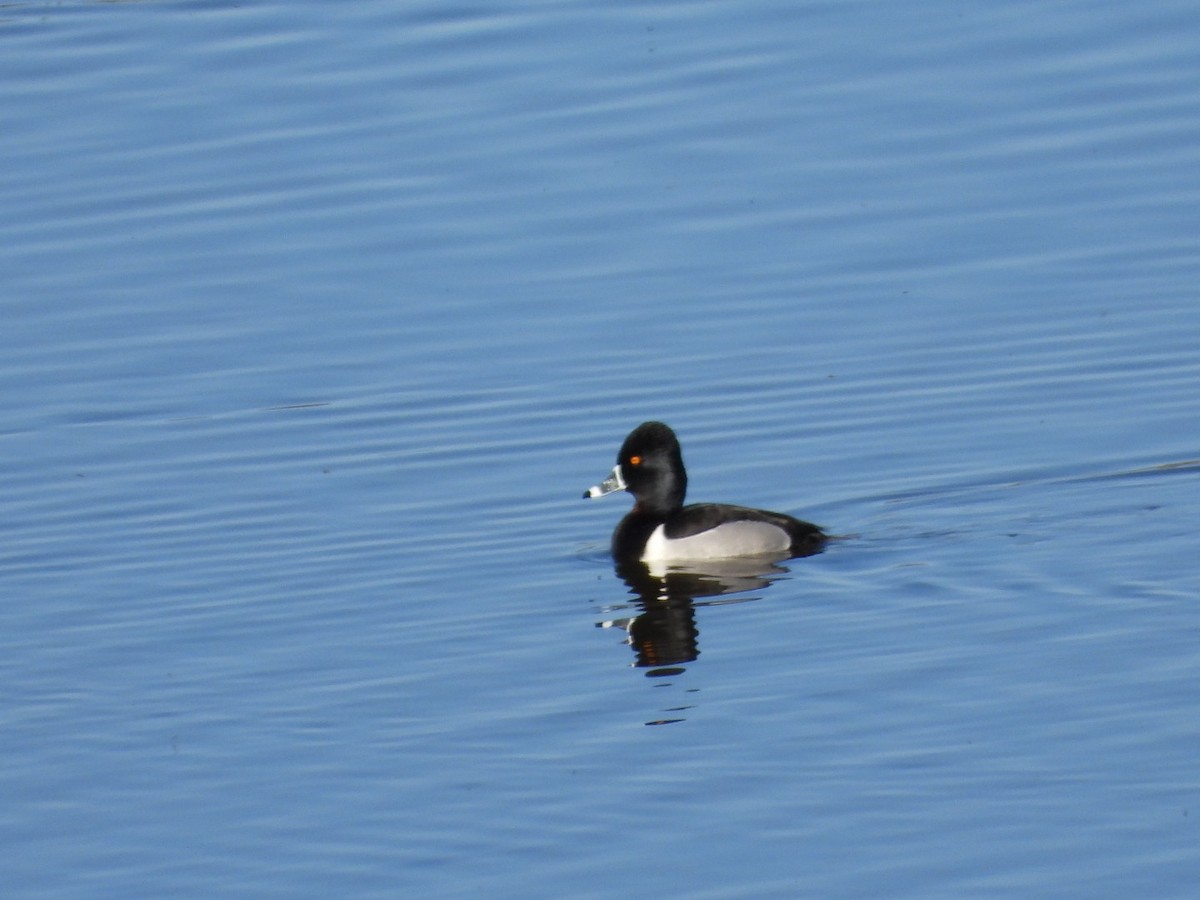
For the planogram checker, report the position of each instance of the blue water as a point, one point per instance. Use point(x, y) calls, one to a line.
point(317, 320)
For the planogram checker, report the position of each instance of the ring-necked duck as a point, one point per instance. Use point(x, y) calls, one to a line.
point(660, 527)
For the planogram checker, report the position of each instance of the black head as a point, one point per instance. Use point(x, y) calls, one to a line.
point(652, 466)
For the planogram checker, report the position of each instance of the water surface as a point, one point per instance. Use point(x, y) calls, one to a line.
point(317, 320)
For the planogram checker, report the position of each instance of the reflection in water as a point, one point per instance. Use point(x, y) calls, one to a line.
point(663, 634)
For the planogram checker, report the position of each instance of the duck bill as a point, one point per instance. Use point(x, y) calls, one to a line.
point(609, 485)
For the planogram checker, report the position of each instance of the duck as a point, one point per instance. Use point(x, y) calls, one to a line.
point(660, 528)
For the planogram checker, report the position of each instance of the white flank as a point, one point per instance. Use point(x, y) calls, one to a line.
point(727, 540)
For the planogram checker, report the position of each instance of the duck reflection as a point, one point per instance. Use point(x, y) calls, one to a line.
point(663, 634)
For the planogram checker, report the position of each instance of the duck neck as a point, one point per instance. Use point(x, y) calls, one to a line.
point(667, 496)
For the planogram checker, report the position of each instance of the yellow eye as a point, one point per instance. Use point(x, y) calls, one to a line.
point(635, 460)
